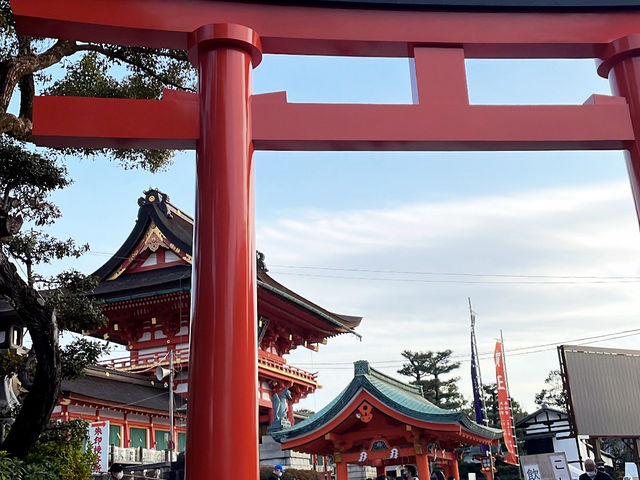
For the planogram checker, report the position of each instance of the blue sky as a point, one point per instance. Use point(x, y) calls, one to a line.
point(517, 213)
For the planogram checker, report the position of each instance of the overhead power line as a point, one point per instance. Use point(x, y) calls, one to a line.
point(510, 279)
point(465, 282)
point(511, 352)
point(560, 280)
point(461, 274)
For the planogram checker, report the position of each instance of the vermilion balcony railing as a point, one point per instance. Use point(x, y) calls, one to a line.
point(148, 361)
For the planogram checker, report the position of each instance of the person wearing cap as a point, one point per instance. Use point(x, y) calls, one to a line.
point(116, 472)
point(278, 470)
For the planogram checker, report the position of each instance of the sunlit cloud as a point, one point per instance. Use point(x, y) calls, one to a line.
point(588, 231)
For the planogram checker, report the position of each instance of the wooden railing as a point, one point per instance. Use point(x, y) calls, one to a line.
point(145, 360)
point(149, 361)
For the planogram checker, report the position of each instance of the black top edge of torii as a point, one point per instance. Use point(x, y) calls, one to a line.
point(478, 5)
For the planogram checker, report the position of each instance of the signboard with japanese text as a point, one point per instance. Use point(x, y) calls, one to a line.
point(546, 466)
point(99, 439)
point(531, 472)
point(560, 466)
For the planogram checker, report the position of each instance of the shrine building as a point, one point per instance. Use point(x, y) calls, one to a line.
point(381, 422)
point(145, 287)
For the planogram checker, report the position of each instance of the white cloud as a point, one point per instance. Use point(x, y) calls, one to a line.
point(578, 231)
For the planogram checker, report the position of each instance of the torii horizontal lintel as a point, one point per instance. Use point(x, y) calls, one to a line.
point(602, 123)
point(294, 29)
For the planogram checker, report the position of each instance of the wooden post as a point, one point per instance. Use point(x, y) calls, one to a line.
point(341, 471)
point(454, 469)
point(223, 376)
point(422, 462)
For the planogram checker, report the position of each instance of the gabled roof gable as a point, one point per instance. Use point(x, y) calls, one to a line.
point(545, 413)
point(159, 225)
point(399, 400)
point(162, 227)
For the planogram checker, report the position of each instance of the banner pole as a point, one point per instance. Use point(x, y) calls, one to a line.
point(513, 423)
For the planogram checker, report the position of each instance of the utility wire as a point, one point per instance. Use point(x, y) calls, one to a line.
point(518, 351)
point(562, 279)
point(415, 272)
point(467, 282)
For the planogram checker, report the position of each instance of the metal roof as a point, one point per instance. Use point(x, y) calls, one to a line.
point(604, 390)
point(397, 395)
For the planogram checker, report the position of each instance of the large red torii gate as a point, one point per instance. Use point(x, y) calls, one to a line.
point(225, 123)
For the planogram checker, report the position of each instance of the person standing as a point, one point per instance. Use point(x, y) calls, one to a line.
point(411, 472)
point(116, 472)
point(278, 470)
point(592, 473)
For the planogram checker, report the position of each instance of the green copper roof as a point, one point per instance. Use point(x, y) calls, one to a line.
point(399, 396)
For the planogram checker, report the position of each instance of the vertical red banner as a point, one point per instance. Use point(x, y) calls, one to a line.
point(504, 406)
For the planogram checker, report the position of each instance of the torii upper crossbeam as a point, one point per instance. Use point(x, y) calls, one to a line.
point(224, 123)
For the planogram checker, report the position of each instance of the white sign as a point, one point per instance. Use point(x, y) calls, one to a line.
point(560, 467)
point(532, 472)
point(99, 437)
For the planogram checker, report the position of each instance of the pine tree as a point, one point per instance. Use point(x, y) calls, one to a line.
point(553, 395)
point(428, 369)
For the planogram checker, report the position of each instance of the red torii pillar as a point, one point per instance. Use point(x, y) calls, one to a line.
point(621, 64)
point(223, 371)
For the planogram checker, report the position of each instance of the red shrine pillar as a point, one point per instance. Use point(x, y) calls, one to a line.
point(455, 472)
point(621, 64)
point(222, 420)
point(422, 462)
point(342, 471)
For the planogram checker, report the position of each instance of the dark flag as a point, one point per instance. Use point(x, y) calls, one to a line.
point(476, 381)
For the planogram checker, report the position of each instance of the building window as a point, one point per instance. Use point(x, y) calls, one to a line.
point(182, 441)
point(320, 460)
point(138, 437)
point(114, 435)
point(162, 440)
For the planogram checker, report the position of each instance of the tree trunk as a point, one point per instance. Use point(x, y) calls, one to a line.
point(42, 325)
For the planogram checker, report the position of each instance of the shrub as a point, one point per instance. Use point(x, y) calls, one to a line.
point(15, 469)
point(59, 453)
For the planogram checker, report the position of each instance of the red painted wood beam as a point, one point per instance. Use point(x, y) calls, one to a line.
point(117, 122)
point(604, 123)
point(279, 125)
point(329, 31)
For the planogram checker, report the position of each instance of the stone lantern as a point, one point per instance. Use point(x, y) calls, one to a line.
point(11, 331)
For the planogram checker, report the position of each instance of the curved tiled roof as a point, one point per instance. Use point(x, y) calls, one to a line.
point(157, 209)
point(154, 207)
point(399, 396)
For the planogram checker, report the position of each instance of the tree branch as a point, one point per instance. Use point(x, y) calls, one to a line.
point(119, 55)
point(17, 127)
point(27, 91)
point(43, 328)
point(12, 71)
